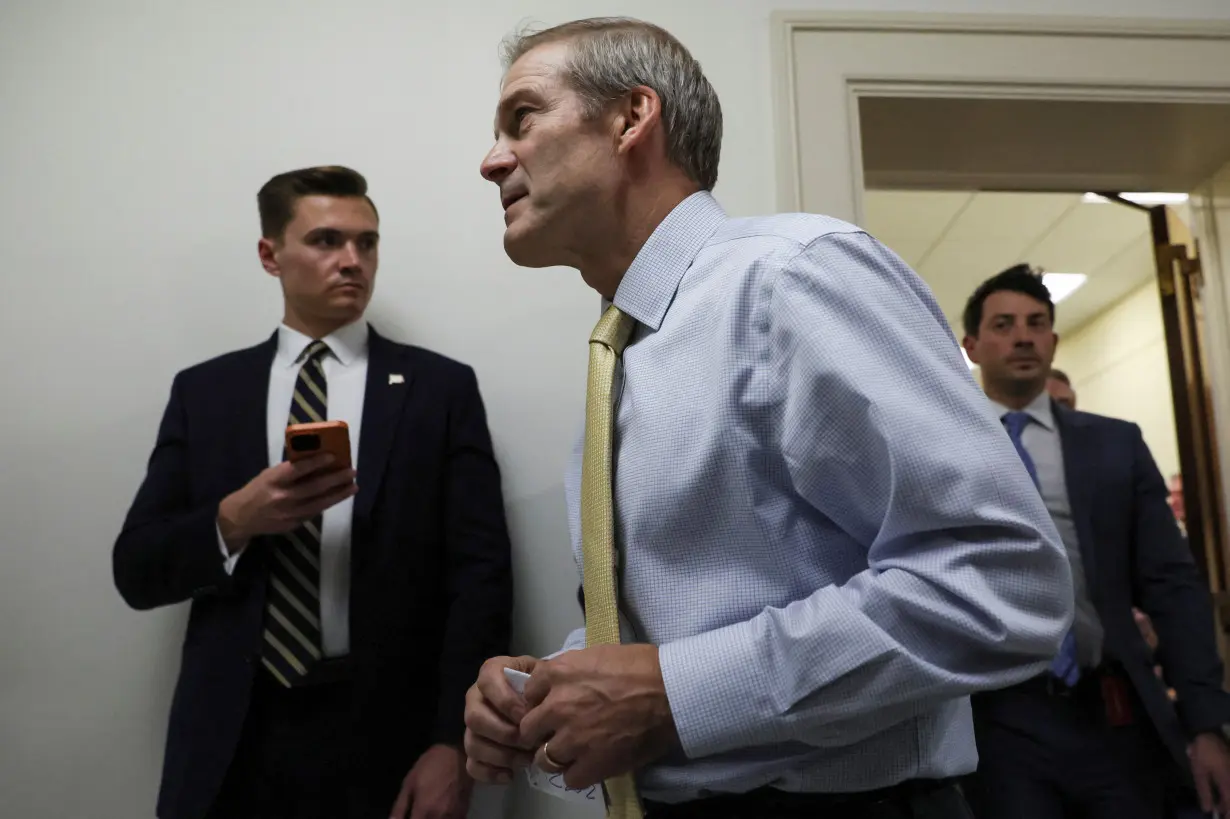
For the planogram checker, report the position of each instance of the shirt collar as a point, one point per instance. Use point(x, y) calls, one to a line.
point(347, 343)
point(649, 285)
point(1039, 409)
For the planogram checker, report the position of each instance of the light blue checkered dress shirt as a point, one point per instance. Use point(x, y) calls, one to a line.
point(823, 525)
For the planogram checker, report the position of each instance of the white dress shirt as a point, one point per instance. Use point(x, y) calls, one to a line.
point(1041, 440)
point(346, 381)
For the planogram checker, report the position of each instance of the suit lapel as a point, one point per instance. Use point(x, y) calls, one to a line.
point(388, 382)
point(250, 384)
point(1079, 465)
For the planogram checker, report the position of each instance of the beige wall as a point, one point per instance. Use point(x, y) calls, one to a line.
point(1117, 364)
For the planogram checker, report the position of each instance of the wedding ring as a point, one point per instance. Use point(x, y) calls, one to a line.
point(546, 756)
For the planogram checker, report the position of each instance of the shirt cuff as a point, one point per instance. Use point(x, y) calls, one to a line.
point(574, 642)
point(713, 701)
point(229, 561)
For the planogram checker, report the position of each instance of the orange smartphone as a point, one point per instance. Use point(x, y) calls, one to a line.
point(306, 440)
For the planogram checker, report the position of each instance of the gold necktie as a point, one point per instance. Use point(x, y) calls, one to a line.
point(598, 547)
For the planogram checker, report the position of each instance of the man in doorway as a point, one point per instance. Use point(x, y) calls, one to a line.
point(784, 617)
point(338, 615)
point(1088, 737)
point(1176, 502)
point(1059, 387)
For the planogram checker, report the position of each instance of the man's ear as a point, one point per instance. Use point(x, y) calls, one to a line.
point(970, 343)
point(266, 249)
point(640, 112)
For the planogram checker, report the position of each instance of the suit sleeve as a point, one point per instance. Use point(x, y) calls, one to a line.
point(167, 551)
point(479, 573)
point(1170, 590)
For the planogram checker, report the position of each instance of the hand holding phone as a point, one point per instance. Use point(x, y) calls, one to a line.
point(316, 475)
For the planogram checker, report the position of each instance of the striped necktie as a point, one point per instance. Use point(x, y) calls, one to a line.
point(598, 548)
point(292, 643)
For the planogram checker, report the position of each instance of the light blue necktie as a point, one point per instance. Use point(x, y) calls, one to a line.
point(1065, 665)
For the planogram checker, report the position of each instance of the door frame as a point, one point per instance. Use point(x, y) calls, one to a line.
point(860, 82)
point(1179, 269)
point(982, 77)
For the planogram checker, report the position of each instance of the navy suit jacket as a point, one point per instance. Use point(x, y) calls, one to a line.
point(431, 590)
point(1135, 555)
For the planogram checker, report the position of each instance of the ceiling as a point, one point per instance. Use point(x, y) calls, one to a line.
point(956, 240)
point(1048, 145)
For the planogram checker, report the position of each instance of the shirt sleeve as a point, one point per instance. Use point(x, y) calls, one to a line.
point(574, 642)
point(229, 561)
point(884, 432)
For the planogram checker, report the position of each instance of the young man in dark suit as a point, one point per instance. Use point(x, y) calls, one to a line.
point(1090, 738)
point(338, 615)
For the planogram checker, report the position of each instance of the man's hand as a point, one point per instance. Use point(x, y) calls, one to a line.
point(437, 787)
point(282, 497)
point(1210, 760)
point(1150, 637)
point(601, 711)
point(1146, 628)
point(494, 747)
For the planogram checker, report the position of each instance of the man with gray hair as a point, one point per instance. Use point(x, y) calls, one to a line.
point(817, 541)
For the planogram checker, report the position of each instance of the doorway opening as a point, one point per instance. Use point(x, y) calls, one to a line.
point(963, 188)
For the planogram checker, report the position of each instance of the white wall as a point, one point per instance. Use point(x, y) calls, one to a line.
point(133, 137)
point(1118, 367)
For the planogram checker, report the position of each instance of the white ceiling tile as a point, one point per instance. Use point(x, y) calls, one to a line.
point(1087, 238)
point(910, 219)
point(992, 233)
point(969, 261)
point(1010, 217)
point(981, 236)
point(1121, 275)
point(910, 250)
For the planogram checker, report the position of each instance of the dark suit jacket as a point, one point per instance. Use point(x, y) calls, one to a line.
point(1135, 555)
point(431, 591)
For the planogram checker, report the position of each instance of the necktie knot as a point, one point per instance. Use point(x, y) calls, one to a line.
point(613, 329)
point(1015, 423)
point(315, 351)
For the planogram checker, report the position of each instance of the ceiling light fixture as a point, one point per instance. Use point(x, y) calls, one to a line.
point(1062, 285)
point(1147, 199)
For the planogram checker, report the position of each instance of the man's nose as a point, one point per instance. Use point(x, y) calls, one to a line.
point(497, 164)
point(350, 256)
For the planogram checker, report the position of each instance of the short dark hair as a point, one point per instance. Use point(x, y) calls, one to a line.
point(1060, 375)
point(277, 197)
point(1019, 278)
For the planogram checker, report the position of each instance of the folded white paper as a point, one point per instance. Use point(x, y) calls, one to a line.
point(554, 783)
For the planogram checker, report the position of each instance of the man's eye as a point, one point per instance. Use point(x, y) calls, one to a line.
point(520, 114)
